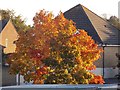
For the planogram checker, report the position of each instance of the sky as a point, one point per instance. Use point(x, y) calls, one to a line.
point(28, 8)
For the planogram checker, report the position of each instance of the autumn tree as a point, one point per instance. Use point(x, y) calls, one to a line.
point(55, 52)
point(18, 22)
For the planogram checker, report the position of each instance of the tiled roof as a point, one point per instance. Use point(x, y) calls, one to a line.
point(2, 24)
point(100, 30)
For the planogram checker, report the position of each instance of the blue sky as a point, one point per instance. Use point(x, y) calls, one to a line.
point(28, 8)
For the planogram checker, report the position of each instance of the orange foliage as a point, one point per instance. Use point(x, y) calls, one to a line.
point(97, 80)
point(54, 51)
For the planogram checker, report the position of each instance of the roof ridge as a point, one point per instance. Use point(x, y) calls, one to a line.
point(90, 20)
point(116, 29)
point(103, 20)
point(98, 16)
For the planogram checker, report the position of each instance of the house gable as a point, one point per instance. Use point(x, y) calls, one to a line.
point(7, 36)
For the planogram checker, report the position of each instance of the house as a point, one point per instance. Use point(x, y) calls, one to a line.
point(8, 35)
point(104, 34)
